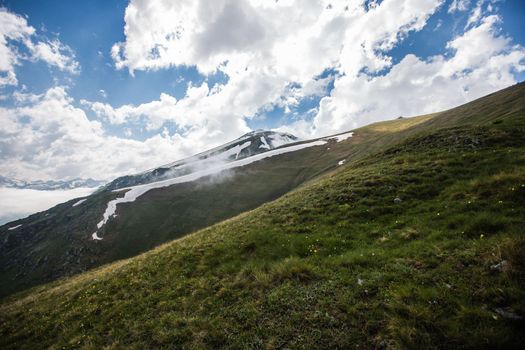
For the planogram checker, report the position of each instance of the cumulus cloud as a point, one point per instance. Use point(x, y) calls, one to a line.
point(272, 52)
point(15, 33)
point(54, 53)
point(12, 28)
point(46, 136)
point(276, 57)
point(481, 61)
point(299, 38)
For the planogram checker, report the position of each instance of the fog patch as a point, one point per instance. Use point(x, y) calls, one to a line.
point(216, 178)
point(18, 203)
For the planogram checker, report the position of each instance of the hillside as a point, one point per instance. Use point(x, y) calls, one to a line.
point(59, 242)
point(415, 242)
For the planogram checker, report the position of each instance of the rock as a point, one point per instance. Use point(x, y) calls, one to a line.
point(508, 313)
point(397, 200)
point(499, 266)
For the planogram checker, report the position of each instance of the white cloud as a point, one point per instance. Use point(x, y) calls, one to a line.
point(12, 28)
point(263, 47)
point(458, 6)
point(481, 62)
point(157, 112)
point(475, 15)
point(18, 203)
point(298, 38)
point(289, 43)
point(54, 53)
point(46, 137)
point(15, 29)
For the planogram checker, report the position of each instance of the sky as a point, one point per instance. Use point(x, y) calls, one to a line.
point(98, 89)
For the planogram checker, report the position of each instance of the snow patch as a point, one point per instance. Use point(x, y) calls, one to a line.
point(341, 137)
point(132, 193)
point(235, 150)
point(14, 227)
point(278, 140)
point(95, 237)
point(264, 143)
point(79, 202)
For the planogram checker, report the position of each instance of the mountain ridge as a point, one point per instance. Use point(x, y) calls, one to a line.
point(50, 185)
point(249, 144)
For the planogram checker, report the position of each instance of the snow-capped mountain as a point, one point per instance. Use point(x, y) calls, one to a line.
point(252, 143)
point(161, 204)
point(50, 185)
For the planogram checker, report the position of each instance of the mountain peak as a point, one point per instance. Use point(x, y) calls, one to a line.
point(262, 132)
point(250, 144)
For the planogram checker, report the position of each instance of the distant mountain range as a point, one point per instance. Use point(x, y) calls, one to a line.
point(50, 185)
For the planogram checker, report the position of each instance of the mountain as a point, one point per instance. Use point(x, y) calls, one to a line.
point(191, 194)
point(250, 144)
point(50, 185)
point(400, 234)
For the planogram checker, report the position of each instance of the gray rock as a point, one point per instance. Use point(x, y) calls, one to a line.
point(499, 266)
point(508, 313)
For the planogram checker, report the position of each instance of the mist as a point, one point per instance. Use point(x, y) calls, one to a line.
point(19, 203)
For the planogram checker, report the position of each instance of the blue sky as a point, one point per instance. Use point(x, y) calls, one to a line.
point(92, 27)
point(325, 84)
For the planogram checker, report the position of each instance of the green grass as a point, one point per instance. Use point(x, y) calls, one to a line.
point(336, 263)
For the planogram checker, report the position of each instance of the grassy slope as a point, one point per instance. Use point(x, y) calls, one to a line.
point(58, 242)
point(287, 274)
